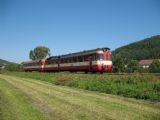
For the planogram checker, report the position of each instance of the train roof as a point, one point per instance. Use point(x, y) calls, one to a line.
point(30, 61)
point(85, 52)
point(79, 53)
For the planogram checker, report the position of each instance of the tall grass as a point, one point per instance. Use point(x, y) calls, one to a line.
point(136, 86)
point(140, 86)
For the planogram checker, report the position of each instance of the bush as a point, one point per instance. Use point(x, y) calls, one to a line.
point(155, 67)
point(136, 86)
point(13, 67)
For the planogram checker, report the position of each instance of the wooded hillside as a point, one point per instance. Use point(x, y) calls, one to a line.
point(148, 48)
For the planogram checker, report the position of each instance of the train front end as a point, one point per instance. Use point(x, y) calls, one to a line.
point(104, 63)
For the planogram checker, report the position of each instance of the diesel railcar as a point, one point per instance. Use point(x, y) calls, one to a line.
point(95, 60)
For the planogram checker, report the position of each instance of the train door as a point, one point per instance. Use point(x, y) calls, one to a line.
point(90, 63)
point(59, 61)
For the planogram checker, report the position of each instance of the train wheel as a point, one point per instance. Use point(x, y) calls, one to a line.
point(102, 72)
point(93, 72)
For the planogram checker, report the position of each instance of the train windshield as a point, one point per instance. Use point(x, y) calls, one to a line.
point(100, 57)
point(108, 57)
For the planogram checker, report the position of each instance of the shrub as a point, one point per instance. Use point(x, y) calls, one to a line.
point(14, 67)
point(155, 67)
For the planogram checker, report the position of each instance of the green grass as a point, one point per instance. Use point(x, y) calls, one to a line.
point(140, 86)
point(15, 106)
point(29, 99)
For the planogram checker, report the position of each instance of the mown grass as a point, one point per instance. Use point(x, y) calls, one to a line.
point(65, 103)
point(140, 86)
point(15, 106)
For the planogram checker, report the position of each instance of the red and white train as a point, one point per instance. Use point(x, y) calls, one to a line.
point(96, 60)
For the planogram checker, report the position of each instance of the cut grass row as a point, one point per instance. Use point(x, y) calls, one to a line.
point(15, 106)
point(28, 99)
point(140, 86)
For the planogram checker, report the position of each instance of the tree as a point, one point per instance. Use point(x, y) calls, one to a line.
point(155, 67)
point(40, 52)
point(132, 66)
point(31, 55)
point(119, 65)
point(122, 64)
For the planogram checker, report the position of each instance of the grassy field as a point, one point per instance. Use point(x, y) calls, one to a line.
point(139, 86)
point(29, 99)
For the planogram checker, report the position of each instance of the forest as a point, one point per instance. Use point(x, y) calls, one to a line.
point(148, 48)
point(126, 58)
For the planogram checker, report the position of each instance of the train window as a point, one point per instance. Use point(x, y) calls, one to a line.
point(56, 61)
point(100, 57)
point(108, 57)
point(47, 62)
point(80, 59)
point(83, 58)
point(86, 58)
point(65, 60)
point(94, 57)
point(70, 60)
point(61, 60)
point(74, 59)
point(50, 62)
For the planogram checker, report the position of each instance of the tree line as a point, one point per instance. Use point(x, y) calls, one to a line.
point(132, 66)
point(125, 59)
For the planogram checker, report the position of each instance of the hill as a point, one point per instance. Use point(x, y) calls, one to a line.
point(4, 62)
point(148, 48)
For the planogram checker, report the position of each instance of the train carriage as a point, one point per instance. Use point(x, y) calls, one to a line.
point(91, 60)
point(36, 65)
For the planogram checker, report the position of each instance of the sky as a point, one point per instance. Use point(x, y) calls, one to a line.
point(67, 26)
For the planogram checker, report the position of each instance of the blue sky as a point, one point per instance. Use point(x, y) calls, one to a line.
point(74, 25)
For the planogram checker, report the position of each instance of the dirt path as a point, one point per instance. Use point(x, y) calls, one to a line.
point(64, 103)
